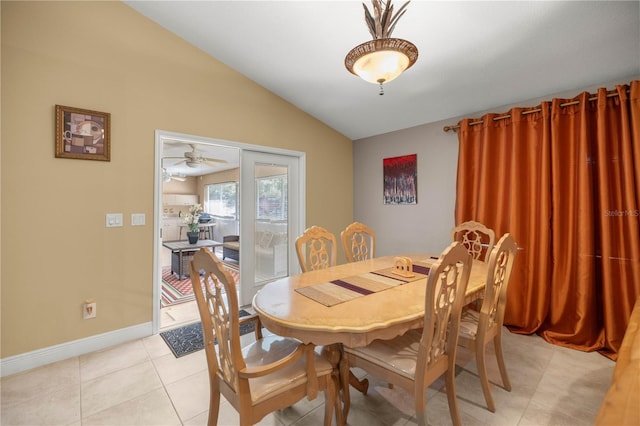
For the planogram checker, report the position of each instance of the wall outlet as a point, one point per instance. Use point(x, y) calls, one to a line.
point(89, 310)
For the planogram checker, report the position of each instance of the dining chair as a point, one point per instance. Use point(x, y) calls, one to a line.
point(269, 374)
point(477, 329)
point(476, 237)
point(358, 242)
point(417, 358)
point(316, 249)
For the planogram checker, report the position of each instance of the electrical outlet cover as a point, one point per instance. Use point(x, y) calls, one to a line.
point(89, 310)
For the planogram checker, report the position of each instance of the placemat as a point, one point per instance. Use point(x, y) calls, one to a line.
point(338, 291)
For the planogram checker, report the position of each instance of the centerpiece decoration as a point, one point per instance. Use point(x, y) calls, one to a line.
point(192, 219)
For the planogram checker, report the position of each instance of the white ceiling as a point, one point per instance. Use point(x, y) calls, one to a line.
point(473, 56)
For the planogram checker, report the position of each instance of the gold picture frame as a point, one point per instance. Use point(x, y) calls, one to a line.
point(83, 134)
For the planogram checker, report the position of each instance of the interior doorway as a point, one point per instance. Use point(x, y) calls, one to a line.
point(197, 170)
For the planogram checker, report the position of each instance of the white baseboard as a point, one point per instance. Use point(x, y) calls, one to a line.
point(37, 358)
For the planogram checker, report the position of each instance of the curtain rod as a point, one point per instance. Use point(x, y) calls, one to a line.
point(530, 111)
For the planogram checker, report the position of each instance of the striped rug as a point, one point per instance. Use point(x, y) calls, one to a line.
point(175, 291)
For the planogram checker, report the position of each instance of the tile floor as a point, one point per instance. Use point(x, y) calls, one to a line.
point(176, 315)
point(142, 383)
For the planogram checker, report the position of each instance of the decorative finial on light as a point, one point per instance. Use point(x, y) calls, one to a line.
point(382, 59)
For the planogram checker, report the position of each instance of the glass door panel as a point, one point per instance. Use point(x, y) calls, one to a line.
point(271, 226)
point(270, 210)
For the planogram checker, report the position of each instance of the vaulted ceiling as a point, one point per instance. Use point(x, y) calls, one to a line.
point(473, 55)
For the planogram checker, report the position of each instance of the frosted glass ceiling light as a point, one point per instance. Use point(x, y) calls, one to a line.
point(382, 59)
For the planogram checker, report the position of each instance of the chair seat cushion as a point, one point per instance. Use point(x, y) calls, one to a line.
point(399, 354)
point(469, 323)
point(271, 349)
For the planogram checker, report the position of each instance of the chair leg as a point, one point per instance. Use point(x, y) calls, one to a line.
point(420, 400)
point(484, 379)
point(450, 383)
point(497, 343)
point(214, 407)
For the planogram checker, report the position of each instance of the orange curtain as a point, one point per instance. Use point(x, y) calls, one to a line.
point(565, 182)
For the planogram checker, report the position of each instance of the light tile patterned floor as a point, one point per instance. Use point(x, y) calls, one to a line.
point(176, 315)
point(142, 383)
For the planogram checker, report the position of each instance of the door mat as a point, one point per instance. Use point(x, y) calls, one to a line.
point(188, 339)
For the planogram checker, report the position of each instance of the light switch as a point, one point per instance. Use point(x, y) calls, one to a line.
point(114, 220)
point(137, 219)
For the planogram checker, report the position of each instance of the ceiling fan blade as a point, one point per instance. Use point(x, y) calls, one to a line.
point(168, 176)
point(214, 160)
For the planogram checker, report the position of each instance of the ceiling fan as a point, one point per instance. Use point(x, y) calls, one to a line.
point(195, 159)
point(167, 176)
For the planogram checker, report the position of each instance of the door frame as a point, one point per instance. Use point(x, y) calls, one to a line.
point(163, 135)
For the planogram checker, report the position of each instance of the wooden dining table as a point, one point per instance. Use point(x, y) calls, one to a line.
point(385, 314)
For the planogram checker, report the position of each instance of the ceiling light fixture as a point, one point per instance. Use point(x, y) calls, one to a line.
point(382, 59)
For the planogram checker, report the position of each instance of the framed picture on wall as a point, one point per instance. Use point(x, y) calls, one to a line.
point(401, 179)
point(83, 134)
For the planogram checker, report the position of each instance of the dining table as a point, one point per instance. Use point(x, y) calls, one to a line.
point(314, 307)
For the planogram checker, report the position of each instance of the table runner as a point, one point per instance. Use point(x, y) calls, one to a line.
point(338, 291)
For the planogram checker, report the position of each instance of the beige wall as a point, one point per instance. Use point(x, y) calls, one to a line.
point(56, 250)
point(188, 186)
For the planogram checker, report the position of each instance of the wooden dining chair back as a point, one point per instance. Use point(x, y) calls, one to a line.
point(269, 374)
point(477, 329)
point(476, 237)
point(316, 249)
point(419, 357)
point(358, 242)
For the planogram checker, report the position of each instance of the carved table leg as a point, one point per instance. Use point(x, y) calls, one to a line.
point(360, 385)
point(333, 353)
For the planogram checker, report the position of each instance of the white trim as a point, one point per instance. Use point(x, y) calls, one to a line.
point(40, 357)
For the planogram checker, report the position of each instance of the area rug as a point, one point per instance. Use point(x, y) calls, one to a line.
point(175, 291)
point(188, 339)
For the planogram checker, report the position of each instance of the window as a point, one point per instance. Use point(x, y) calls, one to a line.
point(272, 197)
point(221, 199)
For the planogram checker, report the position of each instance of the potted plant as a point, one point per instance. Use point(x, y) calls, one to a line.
point(192, 219)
